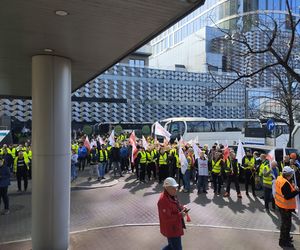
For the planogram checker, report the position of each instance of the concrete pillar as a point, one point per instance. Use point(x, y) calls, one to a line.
point(51, 146)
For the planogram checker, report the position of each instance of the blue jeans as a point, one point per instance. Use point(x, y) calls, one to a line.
point(202, 183)
point(186, 180)
point(101, 168)
point(174, 244)
point(73, 172)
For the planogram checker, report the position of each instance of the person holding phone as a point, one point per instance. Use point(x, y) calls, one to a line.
point(171, 215)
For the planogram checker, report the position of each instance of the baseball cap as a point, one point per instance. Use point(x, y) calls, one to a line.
point(170, 182)
point(287, 170)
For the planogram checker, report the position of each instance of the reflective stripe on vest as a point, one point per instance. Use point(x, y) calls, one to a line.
point(250, 163)
point(143, 158)
point(216, 166)
point(163, 159)
point(280, 201)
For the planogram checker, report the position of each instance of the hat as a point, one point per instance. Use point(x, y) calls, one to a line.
point(287, 170)
point(170, 182)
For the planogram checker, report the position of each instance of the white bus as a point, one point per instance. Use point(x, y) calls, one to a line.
point(279, 137)
point(209, 131)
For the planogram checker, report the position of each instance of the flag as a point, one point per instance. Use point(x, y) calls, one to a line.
point(271, 156)
point(183, 161)
point(240, 152)
point(93, 142)
point(196, 151)
point(111, 138)
point(226, 153)
point(160, 130)
point(297, 198)
point(145, 143)
point(284, 154)
point(100, 140)
point(87, 143)
point(132, 142)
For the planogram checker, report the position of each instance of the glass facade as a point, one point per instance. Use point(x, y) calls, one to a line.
point(228, 14)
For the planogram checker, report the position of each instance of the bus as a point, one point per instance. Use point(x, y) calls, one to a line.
point(209, 131)
point(279, 137)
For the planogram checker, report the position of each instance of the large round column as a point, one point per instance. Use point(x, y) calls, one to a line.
point(51, 145)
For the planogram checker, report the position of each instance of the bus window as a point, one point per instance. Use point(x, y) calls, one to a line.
point(223, 126)
point(198, 126)
point(176, 128)
point(253, 124)
point(237, 126)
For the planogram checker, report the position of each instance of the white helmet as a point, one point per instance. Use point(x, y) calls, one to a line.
point(170, 182)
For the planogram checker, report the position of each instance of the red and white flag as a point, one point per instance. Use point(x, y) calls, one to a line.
point(271, 156)
point(132, 142)
point(100, 140)
point(226, 153)
point(87, 143)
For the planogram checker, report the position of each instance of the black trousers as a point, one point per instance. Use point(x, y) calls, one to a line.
point(22, 174)
point(163, 172)
point(81, 163)
point(268, 197)
point(142, 171)
point(179, 177)
point(233, 178)
point(151, 169)
point(4, 197)
point(286, 224)
point(217, 182)
point(249, 179)
point(124, 163)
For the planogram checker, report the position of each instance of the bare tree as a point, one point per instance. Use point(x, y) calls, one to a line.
point(272, 59)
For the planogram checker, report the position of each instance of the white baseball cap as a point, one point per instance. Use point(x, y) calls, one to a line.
point(287, 170)
point(170, 182)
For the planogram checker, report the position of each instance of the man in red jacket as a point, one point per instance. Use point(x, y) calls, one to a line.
point(171, 215)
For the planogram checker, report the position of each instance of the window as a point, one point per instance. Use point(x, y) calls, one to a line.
point(136, 63)
point(237, 126)
point(198, 126)
point(253, 124)
point(176, 128)
point(223, 126)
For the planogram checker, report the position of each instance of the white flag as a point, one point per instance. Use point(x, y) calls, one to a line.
point(271, 156)
point(160, 130)
point(145, 143)
point(183, 161)
point(100, 140)
point(284, 154)
point(111, 138)
point(240, 152)
point(93, 142)
point(196, 151)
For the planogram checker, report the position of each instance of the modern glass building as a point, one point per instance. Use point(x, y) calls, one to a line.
point(227, 14)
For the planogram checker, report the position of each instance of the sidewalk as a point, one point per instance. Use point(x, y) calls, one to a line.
point(81, 182)
point(146, 237)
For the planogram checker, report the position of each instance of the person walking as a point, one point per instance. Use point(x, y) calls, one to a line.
point(141, 161)
point(285, 193)
point(171, 215)
point(187, 174)
point(82, 156)
point(94, 157)
point(116, 159)
point(74, 161)
point(163, 169)
point(4, 183)
point(21, 170)
point(202, 164)
point(102, 162)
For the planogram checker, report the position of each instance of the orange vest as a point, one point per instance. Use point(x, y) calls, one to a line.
point(280, 201)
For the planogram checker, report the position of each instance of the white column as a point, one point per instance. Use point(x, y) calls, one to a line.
point(51, 146)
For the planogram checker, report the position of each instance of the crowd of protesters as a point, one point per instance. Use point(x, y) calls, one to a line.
point(151, 160)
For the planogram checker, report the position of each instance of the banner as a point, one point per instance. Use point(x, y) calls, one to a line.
point(145, 143)
point(196, 151)
point(240, 152)
point(183, 161)
point(160, 130)
point(111, 138)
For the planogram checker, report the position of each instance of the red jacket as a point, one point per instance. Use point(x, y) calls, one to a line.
point(170, 218)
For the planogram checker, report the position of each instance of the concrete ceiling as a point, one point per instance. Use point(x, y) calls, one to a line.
point(95, 35)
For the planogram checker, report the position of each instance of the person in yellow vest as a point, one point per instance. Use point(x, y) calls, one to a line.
point(29, 158)
point(285, 193)
point(21, 170)
point(187, 174)
point(232, 172)
point(248, 164)
point(150, 161)
point(163, 168)
point(270, 174)
point(141, 163)
point(103, 157)
point(216, 172)
point(173, 163)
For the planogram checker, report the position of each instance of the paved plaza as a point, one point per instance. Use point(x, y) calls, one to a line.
point(123, 215)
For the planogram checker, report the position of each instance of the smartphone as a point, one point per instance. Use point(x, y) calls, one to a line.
point(187, 210)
